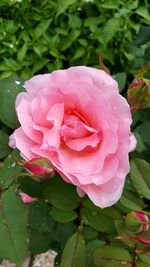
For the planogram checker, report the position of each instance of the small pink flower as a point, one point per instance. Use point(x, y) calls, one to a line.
point(26, 198)
point(77, 119)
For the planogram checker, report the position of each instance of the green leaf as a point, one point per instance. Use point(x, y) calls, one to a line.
point(131, 4)
point(13, 232)
point(5, 74)
point(89, 233)
point(37, 50)
point(92, 22)
point(40, 218)
point(74, 21)
point(60, 194)
point(74, 252)
point(110, 212)
point(4, 3)
point(122, 208)
point(143, 12)
point(139, 146)
point(121, 80)
point(123, 231)
point(112, 256)
point(110, 4)
point(9, 170)
point(141, 264)
point(147, 54)
point(30, 186)
point(145, 258)
point(131, 201)
point(4, 148)
point(62, 216)
point(144, 131)
point(39, 242)
point(9, 89)
point(62, 233)
point(139, 175)
point(42, 27)
point(22, 52)
point(143, 35)
point(63, 5)
point(90, 247)
point(109, 30)
point(40, 64)
point(78, 53)
point(97, 221)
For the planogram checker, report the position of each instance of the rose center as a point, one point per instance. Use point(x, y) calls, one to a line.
point(76, 132)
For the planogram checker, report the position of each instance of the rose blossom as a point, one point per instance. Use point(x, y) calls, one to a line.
point(77, 119)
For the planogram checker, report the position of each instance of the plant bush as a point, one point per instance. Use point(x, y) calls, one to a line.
point(38, 37)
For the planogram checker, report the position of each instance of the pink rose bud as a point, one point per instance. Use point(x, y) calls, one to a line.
point(40, 167)
point(26, 198)
point(139, 94)
point(137, 221)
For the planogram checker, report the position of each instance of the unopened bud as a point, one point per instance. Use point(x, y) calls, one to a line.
point(40, 167)
point(26, 198)
point(137, 222)
point(139, 94)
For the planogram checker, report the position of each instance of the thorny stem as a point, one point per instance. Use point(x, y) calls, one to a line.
point(134, 257)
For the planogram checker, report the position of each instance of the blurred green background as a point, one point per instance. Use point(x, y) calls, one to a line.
point(38, 36)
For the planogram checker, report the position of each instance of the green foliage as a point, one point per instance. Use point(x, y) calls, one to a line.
point(13, 229)
point(38, 38)
point(9, 89)
point(74, 252)
point(39, 217)
point(121, 79)
point(36, 239)
point(112, 257)
point(97, 218)
point(62, 216)
point(9, 170)
point(145, 258)
point(30, 186)
point(141, 264)
point(53, 34)
point(131, 201)
point(139, 174)
point(90, 247)
point(4, 148)
point(56, 189)
point(144, 131)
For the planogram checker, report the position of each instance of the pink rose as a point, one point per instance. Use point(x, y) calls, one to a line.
point(77, 119)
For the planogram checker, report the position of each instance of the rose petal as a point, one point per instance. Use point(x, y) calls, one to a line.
point(23, 143)
point(55, 115)
point(105, 195)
